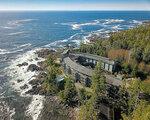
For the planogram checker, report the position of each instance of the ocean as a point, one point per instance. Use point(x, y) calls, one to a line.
point(21, 33)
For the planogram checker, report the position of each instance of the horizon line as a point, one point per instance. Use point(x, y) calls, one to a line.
point(71, 10)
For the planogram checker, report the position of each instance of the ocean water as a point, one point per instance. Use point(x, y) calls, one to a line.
point(21, 33)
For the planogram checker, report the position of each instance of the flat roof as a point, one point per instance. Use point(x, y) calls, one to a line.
point(110, 79)
point(77, 67)
point(95, 57)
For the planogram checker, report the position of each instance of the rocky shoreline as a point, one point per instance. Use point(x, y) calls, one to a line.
point(52, 109)
point(55, 110)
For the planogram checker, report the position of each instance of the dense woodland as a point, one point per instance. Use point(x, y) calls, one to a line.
point(131, 50)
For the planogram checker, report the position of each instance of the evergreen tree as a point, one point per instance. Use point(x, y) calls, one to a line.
point(146, 56)
point(92, 107)
point(142, 112)
point(82, 96)
point(134, 71)
point(134, 91)
point(98, 81)
point(69, 94)
point(50, 80)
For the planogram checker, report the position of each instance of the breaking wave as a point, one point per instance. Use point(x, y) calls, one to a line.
point(16, 23)
point(21, 73)
point(24, 45)
point(102, 23)
point(74, 39)
point(16, 33)
point(110, 21)
point(2, 51)
point(18, 48)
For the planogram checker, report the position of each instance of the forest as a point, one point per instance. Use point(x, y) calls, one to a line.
point(131, 50)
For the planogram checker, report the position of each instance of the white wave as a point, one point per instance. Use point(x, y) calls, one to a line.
point(21, 73)
point(117, 27)
point(76, 26)
point(16, 33)
point(110, 21)
point(74, 36)
point(102, 31)
point(12, 113)
point(24, 45)
point(137, 22)
point(86, 38)
point(16, 23)
point(77, 42)
point(2, 51)
point(56, 43)
point(6, 27)
point(5, 110)
point(68, 24)
point(60, 43)
point(26, 20)
point(35, 106)
point(13, 24)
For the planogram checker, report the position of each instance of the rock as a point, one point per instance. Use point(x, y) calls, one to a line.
point(36, 59)
point(34, 91)
point(31, 60)
point(39, 79)
point(13, 83)
point(24, 87)
point(43, 53)
point(41, 75)
point(23, 64)
point(54, 109)
point(42, 92)
point(34, 67)
point(18, 81)
point(34, 82)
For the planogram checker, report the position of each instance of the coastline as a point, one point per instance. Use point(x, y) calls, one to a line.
point(21, 78)
point(23, 81)
point(27, 82)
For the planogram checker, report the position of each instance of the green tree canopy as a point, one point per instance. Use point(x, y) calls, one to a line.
point(69, 94)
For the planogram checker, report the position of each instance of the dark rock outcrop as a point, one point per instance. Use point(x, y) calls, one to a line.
point(23, 64)
point(19, 80)
point(36, 90)
point(43, 53)
point(36, 58)
point(39, 79)
point(24, 87)
point(34, 67)
point(37, 84)
point(54, 108)
point(41, 75)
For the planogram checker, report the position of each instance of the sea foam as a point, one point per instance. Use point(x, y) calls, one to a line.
point(21, 73)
